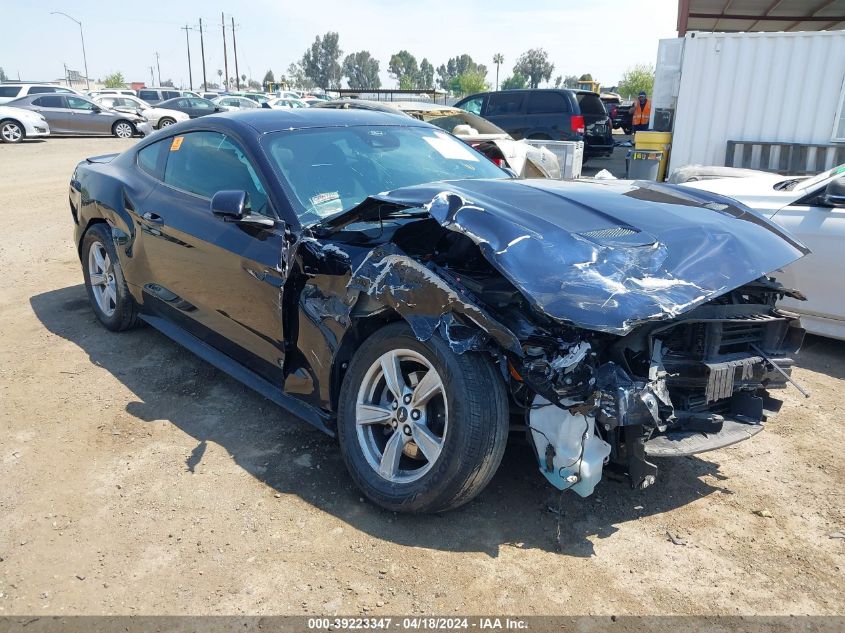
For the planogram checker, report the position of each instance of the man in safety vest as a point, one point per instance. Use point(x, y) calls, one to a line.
point(642, 112)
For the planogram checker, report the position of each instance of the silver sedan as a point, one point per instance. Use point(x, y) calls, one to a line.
point(71, 114)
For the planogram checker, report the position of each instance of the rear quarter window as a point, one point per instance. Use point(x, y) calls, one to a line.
point(51, 101)
point(151, 159)
point(9, 91)
point(591, 104)
point(40, 90)
point(547, 103)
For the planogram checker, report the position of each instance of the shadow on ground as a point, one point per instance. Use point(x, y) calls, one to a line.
point(518, 508)
point(823, 355)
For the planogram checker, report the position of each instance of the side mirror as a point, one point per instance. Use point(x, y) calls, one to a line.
point(96, 109)
point(218, 109)
point(230, 204)
point(233, 206)
point(834, 193)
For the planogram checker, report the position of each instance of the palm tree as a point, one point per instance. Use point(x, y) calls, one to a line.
point(498, 58)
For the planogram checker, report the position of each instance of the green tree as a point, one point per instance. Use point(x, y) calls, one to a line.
point(570, 81)
point(298, 78)
point(167, 83)
point(534, 64)
point(472, 81)
point(558, 81)
point(425, 77)
point(361, 71)
point(254, 85)
point(448, 74)
point(515, 82)
point(115, 80)
point(635, 79)
point(585, 77)
point(321, 64)
point(3, 75)
point(269, 78)
point(403, 67)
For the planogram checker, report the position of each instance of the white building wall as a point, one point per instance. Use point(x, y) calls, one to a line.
point(778, 87)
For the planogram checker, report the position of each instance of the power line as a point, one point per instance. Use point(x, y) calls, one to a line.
point(235, 46)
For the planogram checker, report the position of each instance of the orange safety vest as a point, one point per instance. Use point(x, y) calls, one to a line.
point(641, 114)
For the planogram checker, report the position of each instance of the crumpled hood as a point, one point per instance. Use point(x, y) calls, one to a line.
point(608, 255)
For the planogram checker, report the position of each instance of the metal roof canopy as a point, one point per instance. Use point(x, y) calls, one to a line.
point(732, 16)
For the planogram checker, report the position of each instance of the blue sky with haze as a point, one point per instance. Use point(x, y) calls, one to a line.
point(602, 37)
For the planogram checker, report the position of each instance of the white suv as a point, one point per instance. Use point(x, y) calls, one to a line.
point(10, 91)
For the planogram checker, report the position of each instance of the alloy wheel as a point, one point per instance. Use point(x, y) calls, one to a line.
point(101, 276)
point(401, 415)
point(11, 132)
point(123, 130)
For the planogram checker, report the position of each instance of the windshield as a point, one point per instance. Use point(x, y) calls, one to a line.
point(329, 170)
point(811, 182)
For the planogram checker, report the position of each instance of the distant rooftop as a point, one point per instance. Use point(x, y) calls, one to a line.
point(732, 16)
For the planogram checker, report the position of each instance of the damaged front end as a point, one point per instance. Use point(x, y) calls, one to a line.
point(631, 321)
point(698, 383)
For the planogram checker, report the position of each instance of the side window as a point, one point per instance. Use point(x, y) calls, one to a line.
point(543, 102)
point(169, 94)
point(40, 90)
point(473, 105)
point(506, 102)
point(151, 159)
point(146, 95)
point(77, 103)
point(9, 91)
point(204, 163)
point(53, 101)
point(199, 103)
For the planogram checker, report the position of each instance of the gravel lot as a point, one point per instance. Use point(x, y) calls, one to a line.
point(136, 479)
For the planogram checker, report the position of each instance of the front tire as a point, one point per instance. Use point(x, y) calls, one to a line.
point(11, 131)
point(421, 429)
point(107, 290)
point(123, 129)
point(165, 122)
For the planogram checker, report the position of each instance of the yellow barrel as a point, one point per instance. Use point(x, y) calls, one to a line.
point(660, 141)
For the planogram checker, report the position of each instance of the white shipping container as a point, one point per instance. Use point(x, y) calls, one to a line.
point(774, 87)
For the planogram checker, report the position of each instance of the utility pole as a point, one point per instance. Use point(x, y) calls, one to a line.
point(152, 78)
point(159, 69)
point(82, 37)
point(188, 42)
point(202, 50)
point(235, 46)
point(225, 57)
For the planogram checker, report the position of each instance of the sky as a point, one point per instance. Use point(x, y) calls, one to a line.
point(601, 37)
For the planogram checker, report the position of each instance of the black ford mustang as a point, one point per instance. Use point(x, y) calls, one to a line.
point(393, 287)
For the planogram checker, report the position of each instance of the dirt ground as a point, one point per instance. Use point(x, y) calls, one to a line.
point(136, 479)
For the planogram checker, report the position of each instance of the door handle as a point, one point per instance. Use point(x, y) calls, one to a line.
point(153, 218)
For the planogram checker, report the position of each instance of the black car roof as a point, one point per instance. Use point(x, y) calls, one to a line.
point(264, 120)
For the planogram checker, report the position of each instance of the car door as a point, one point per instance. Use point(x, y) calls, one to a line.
point(817, 275)
point(55, 109)
point(199, 107)
point(88, 118)
point(219, 280)
point(505, 109)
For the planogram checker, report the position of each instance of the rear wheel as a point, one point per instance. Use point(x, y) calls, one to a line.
point(421, 429)
point(107, 291)
point(123, 129)
point(11, 131)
